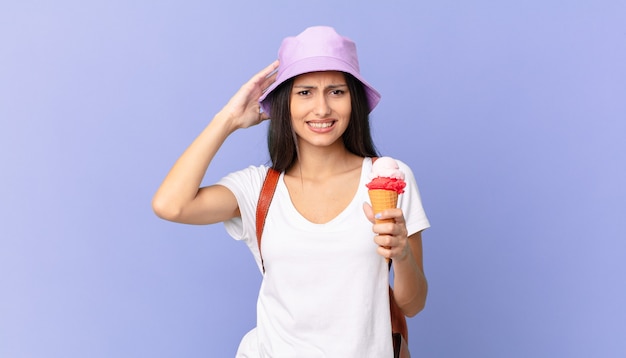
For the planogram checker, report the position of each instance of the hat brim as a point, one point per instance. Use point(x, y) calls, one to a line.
point(317, 64)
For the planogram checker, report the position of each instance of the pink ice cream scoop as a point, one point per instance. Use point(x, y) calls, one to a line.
point(386, 175)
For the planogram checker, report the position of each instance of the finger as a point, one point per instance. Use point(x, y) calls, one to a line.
point(395, 214)
point(384, 228)
point(384, 240)
point(385, 252)
point(265, 77)
point(369, 212)
point(263, 117)
point(267, 71)
point(268, 80)
point(268, 74)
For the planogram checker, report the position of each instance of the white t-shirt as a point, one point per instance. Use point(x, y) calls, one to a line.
point(325, 289)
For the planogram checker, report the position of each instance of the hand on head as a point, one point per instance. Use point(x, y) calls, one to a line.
point(243, 108)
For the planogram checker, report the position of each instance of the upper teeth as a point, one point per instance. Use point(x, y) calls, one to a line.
point(320, 124)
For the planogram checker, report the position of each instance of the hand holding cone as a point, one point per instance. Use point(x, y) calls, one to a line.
point(387, 181)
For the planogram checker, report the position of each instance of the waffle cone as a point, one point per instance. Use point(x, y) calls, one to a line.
point(381, 200)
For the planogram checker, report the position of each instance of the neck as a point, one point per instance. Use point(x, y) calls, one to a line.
point(323, 162)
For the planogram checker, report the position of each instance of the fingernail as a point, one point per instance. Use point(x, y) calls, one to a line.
point(378, 216)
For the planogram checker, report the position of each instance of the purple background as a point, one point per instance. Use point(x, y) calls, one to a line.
point(512, 115)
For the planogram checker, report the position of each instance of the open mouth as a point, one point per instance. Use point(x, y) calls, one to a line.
point(321, 125)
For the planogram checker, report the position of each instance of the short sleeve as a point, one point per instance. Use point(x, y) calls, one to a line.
point(411, 203)
point(246, 186)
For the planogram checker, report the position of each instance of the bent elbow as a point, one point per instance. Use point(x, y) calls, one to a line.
point(416, 304)
point(165, 210)
point(413, 311)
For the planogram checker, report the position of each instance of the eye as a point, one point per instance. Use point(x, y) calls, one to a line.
point(337, 92)
point(303, 93)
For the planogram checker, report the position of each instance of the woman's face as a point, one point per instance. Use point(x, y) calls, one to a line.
point(320, 107)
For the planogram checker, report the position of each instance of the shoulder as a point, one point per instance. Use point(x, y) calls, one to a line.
point(249, 175)
point(245, 183)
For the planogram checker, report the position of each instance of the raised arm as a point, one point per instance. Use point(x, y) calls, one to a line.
point(180, 198)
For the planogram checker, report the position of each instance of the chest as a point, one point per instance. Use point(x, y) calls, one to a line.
point(290, 238)
point(321, 202)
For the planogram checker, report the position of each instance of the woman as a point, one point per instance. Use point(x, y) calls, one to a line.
point(325, 284)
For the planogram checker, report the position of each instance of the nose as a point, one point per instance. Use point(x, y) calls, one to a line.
point(322, 107)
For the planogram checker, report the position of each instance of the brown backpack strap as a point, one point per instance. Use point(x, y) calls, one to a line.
point(263, 205)
point(398, 319)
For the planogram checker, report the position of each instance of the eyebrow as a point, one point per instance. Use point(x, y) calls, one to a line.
point(327, 87)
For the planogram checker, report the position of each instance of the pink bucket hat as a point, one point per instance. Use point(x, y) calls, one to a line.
point(318, 48)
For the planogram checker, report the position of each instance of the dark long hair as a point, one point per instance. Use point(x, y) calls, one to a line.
point(281, 138)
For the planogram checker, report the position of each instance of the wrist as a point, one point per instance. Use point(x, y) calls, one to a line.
point(225, 121)
point(406, 256)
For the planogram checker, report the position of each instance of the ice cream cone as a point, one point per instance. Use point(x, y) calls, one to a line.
point(386, 182)
point(381, 200)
